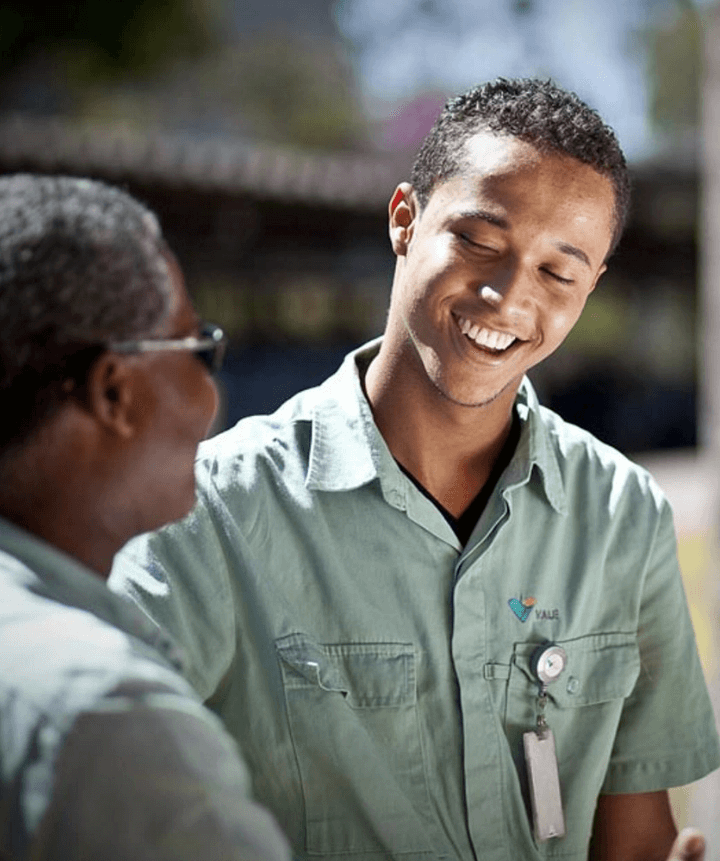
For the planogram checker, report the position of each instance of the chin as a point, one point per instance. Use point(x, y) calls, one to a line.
point(183, 508)
point(471, 401)
point(174, 508)
point(468, 395)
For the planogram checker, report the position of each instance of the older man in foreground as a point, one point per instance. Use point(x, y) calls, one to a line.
point(105, 392)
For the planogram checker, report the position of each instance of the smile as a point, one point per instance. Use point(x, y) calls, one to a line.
point(488, 339)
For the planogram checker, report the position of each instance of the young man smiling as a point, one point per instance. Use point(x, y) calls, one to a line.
point(446, 568)
point(492, 273)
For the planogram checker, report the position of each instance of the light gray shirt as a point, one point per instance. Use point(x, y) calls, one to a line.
point(105, 752)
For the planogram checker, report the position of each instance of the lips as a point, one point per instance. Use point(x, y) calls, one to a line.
point(488, 339)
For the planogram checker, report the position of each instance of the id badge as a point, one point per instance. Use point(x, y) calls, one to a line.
point(545, 797)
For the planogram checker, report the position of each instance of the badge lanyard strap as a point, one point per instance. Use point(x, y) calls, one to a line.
point(542, 725)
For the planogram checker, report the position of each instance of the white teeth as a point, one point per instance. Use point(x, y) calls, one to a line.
point(488, 338)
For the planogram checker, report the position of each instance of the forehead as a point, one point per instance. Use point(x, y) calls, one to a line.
point(489, 156)
point(512, 177)
point(492, 153)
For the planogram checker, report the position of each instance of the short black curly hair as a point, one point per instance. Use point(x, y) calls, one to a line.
point(537, 111)
point(80, 264)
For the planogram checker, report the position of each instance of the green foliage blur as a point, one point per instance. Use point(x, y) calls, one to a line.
point(674, 51)
point(176, 65)
point(104, 40)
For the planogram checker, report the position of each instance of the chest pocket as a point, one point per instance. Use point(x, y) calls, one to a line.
point(584, 709)
point(353, 720)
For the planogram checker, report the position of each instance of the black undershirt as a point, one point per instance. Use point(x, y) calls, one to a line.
point(463, 526)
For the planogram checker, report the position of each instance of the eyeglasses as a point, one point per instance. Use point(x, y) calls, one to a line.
point(209, 346)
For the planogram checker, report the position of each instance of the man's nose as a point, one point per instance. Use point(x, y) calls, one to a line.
point(506, 292)
point(489, 294)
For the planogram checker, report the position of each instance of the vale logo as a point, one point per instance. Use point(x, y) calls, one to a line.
point(522, 608)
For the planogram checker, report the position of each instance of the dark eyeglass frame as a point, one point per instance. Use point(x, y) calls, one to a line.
point(209, 346)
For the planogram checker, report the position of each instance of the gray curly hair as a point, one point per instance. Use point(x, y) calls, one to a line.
point(81, 264)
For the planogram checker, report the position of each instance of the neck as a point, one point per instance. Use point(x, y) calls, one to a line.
point(61, 500)
point(449, 448)
point(61, 524)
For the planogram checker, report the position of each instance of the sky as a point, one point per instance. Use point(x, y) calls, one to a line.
point(404, 47)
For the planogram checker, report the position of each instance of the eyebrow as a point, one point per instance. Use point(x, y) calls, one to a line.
point(565, 248)
point(499, 221)
point(485, 215)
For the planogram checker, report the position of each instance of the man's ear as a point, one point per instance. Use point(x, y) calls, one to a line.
point(602, 269)
point(113, 394)
point(402, 213)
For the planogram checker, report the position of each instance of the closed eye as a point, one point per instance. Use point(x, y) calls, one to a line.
point(557, 277)
point(468, 241)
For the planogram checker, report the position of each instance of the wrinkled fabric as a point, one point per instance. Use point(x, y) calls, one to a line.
point(105, 750)
point(378, 675)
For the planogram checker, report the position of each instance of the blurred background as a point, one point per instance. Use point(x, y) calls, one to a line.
point(268, 135)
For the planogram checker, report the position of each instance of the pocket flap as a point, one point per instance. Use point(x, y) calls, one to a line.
point(600, 668)
point(368, 674)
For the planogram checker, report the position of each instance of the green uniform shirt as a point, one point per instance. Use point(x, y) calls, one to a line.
point(377, 674)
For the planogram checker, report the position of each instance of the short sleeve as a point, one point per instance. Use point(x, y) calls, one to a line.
point(178, 576)
point(667, 734)
point(159, 780)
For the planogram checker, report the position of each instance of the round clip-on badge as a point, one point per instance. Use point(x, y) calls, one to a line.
point(547, 662)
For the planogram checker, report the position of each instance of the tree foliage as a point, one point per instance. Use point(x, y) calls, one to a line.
point(103, 39)
point(674, 50)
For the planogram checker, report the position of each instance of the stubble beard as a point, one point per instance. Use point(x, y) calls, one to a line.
point(435, 377)
point(470, 404)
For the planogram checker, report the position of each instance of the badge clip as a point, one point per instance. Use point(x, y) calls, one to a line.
point(547, 663)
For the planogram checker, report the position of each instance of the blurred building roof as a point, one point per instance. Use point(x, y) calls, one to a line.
point(266, 171)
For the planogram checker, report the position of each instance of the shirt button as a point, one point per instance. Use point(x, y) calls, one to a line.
point(573, 685)
point(394, 498)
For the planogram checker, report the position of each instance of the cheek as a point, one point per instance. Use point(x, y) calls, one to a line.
point(433, 280)
point(191, 410)
point(562, 322)
point(210, 404)
point(437, 259)
point(563, 319)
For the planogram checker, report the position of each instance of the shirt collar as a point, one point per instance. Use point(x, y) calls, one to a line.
point(538, 447)
point(348, 451)
point(35, 565)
